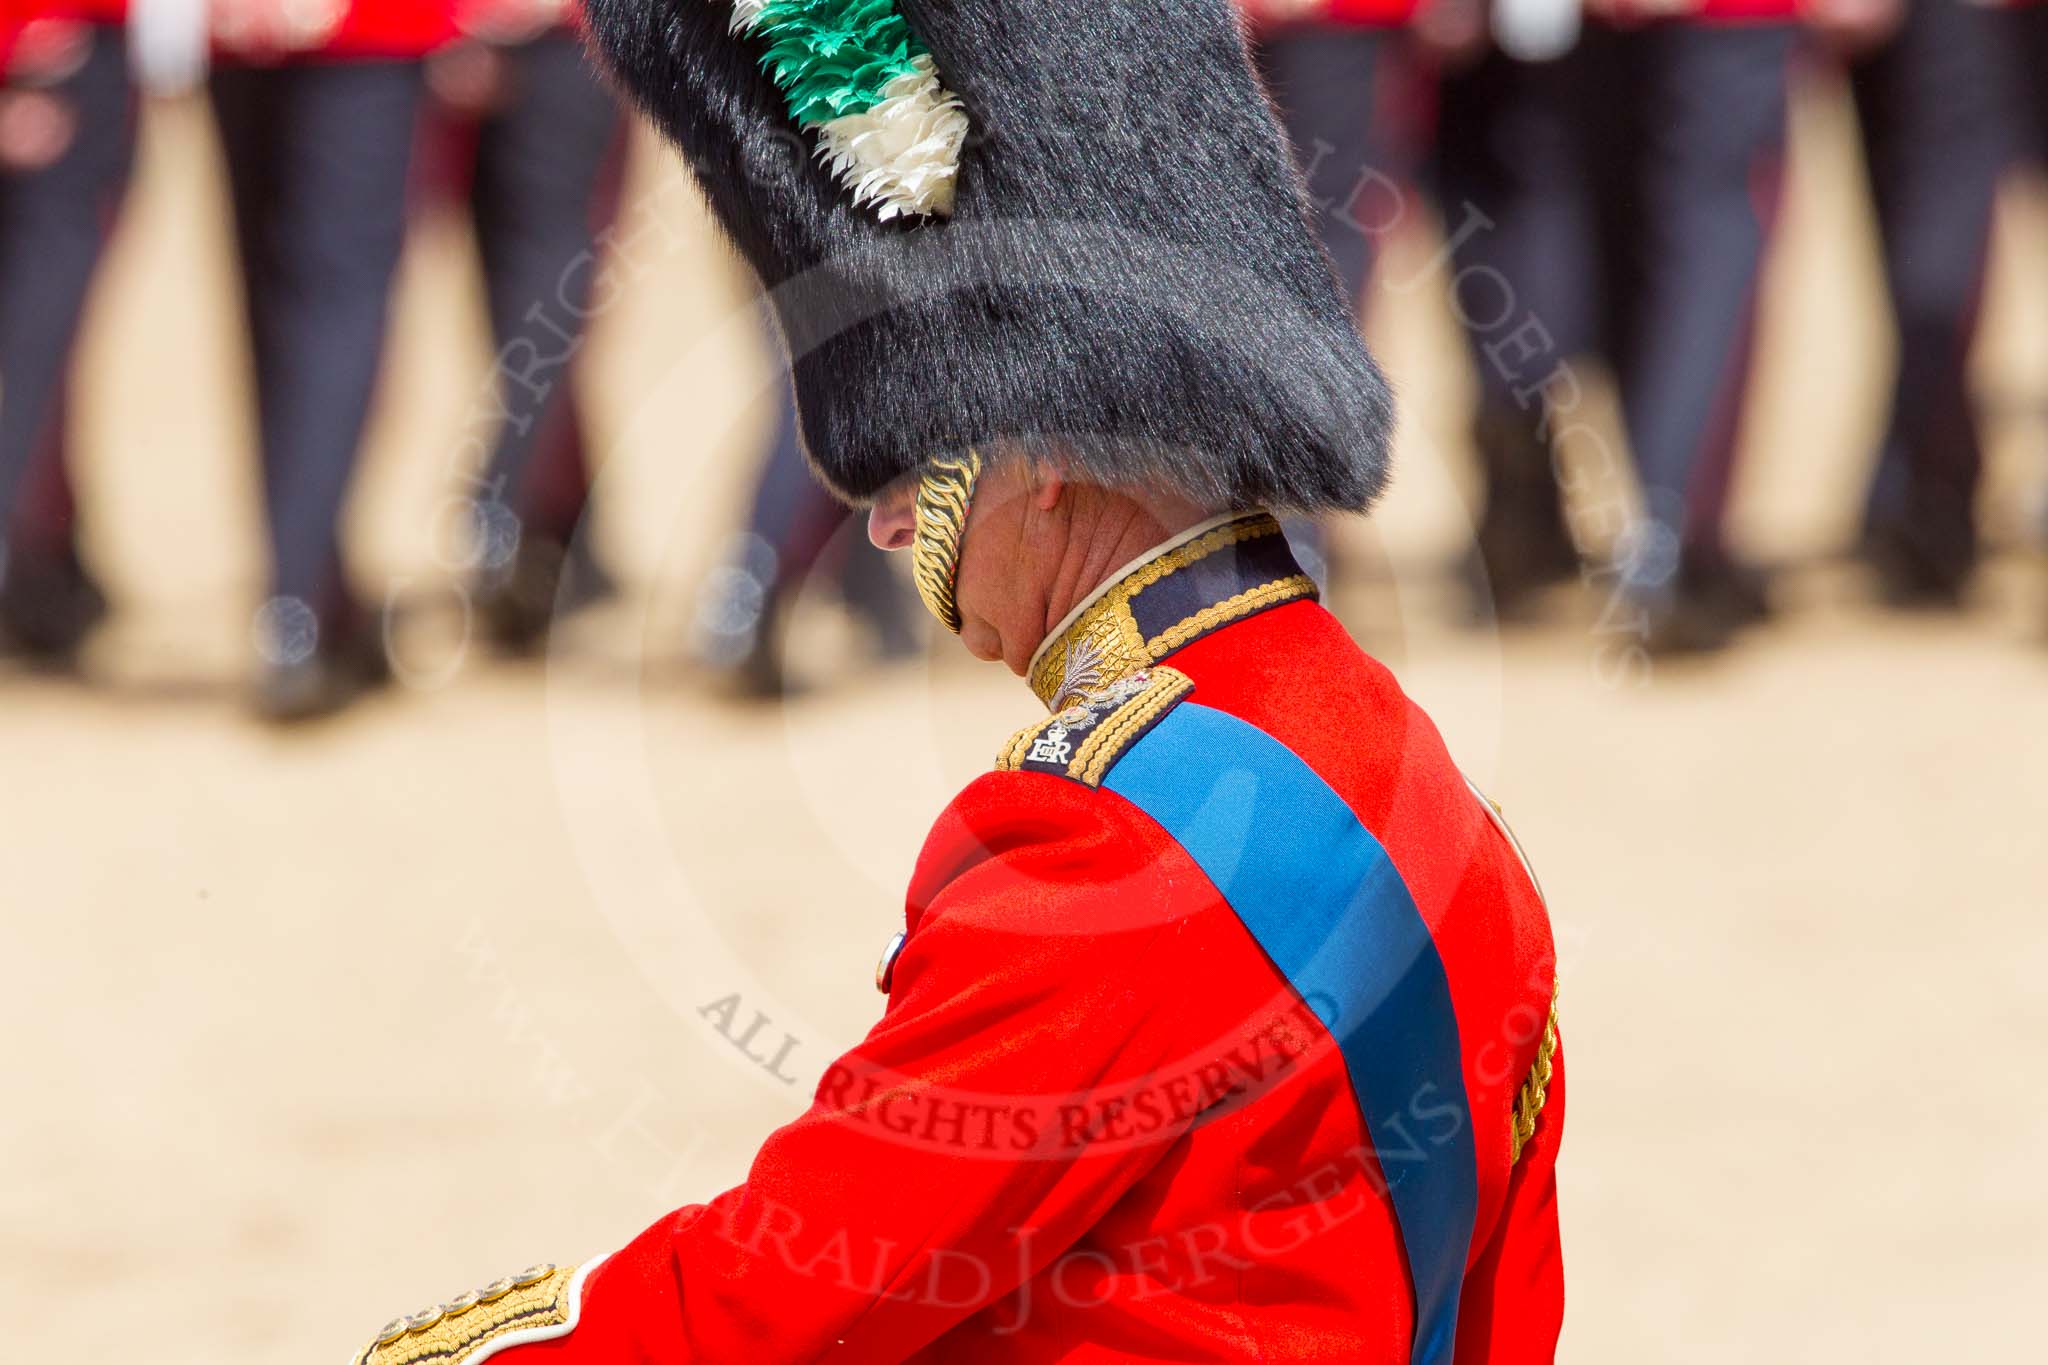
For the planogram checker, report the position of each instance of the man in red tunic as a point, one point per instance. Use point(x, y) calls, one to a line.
point(318, 103)
point(1221, 1025)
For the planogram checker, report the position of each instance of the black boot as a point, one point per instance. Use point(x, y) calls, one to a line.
point(1915, 572)
point(1521, 545)
point(49, 604)
point(1703, 606)
point(545, 578)
point(736, 634)
point(315, 664)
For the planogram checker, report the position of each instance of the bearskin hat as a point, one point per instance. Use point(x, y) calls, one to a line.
point(1021, 225)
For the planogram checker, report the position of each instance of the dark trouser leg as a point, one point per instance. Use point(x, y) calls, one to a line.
point(1513, 181)
point(1936, 134)
point(44, 523)
point(317, 157)
point(545, 166)
point(540, 163)
point(2027, 58)
point(1323, 78)
point(1711, 119)
point(53, 225)
point(2024, 35)
point(792, 526)
point(789, 523)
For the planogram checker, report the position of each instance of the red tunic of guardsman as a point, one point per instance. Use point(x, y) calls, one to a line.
point(1355, 13)
point(281, 30)
point(41, 32)
point(505, 21)
point(1222, 1024)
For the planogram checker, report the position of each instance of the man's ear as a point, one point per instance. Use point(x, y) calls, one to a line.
point(1047, 483)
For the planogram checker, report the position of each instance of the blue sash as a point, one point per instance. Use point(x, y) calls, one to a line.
point(1329, 908)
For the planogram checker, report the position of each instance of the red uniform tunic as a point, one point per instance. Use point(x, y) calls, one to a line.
point(13, 20)
point(514, 20)
point(1360, 13)
point(21, 21)
point(1095, 1122)
point(280, 30)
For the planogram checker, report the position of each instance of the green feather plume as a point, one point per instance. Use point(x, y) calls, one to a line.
point(834, 57)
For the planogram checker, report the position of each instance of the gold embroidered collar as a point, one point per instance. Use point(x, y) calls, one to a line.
point(1221, 571)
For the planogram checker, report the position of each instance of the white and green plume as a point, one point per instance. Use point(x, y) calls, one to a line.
point(853, 73)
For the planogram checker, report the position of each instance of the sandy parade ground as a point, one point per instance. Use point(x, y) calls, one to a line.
point(308, 1030)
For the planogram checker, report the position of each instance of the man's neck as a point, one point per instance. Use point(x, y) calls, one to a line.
point(1117, 531)
point(1136, 551)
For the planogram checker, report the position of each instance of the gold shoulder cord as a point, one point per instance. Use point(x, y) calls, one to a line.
point(943, 496)
point(1535, 1088)
point(1536, 1085)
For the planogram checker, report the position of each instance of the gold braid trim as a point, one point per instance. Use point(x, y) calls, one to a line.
point(944, 493)
point(1535, 1088)
point(1020, 744)
point(1113, 631)
point(1111, 737)
point(1251, 527)
point(1229, 609)
point(534, 1301)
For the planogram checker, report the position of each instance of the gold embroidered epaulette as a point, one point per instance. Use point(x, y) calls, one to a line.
point(536, 1305)
point(1083, 741)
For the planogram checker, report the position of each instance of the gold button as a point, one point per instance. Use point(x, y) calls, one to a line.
point(533, 1274)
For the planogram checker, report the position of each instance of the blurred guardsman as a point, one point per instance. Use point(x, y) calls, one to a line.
point(1323, 62)
point(2026, 57)
point(1221, 1025)
point(317, 102)
point(796, 534)
point(67, 141)
point(1326, 64)
point(2026, 54)
point(1625, 185)
point(1938, 137)
point(523, 131)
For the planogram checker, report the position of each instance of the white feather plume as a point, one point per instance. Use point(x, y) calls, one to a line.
point(903, 154)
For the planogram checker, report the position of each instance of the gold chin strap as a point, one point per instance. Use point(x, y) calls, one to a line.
point(943, 495)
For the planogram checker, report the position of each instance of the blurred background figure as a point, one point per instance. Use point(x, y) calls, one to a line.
point(1336, 71)
point(796, 534)
point(1606, 176)
point(2024, 45)
point(2027, 56)
point(67, 142)
point(522, 133)
point(1937, 123)
point(317, 107)
point(1624, 186)
point(1333, 69)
